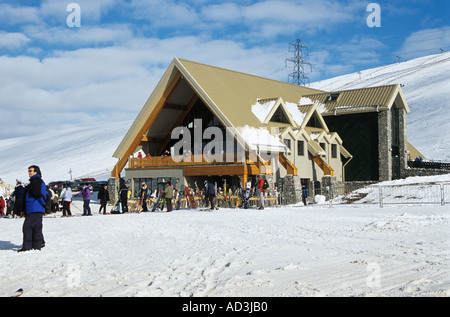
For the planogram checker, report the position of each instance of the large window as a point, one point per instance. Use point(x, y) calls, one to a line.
point(288, 143)
point(334, 150)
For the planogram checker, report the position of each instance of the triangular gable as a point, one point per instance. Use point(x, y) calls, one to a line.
point(277, 111)
point(314, 111)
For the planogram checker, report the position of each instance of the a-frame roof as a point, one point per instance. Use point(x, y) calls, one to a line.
point(228, 94)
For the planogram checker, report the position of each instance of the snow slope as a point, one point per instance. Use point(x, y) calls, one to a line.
point(84, 150)
point(426, 83)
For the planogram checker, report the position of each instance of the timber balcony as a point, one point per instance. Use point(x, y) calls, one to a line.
point(200, 165)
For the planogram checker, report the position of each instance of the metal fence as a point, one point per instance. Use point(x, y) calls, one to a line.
point(406, 194)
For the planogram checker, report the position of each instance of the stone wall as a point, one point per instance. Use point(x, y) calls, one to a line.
point(331, 187)
point(113, 189)
point(409, 172)
point(290, 189)
point(384, 146)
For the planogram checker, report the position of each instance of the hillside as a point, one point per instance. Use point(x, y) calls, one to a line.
point(88, 150)
point(426, 83)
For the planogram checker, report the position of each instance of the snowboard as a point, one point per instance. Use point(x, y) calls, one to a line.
point(156, 203)
point(248, 187)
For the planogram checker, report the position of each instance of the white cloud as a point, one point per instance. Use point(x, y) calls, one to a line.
point(268, 19)
point(102, 84)
point(13, 40)
point(424, 42)
point(14, 14)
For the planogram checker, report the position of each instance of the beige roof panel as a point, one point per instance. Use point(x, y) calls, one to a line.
point(359, 100)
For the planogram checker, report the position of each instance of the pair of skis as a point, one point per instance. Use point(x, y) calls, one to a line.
point(17, 293)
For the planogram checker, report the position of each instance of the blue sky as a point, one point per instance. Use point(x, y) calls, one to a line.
point(105, 70)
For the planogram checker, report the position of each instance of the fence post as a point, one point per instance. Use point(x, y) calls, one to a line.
point(442, 194)
point(380, 191)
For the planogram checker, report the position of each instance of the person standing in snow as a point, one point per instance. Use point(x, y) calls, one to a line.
point(304, 194)
point(210, 193)
point(66, 196)
point(34, 209)
point(143, 196)
point(169, 195)
point(2, 206)
point(103, 198)
point(18, 199)
point(123, 189)
point(86, 193)
point(260, 185)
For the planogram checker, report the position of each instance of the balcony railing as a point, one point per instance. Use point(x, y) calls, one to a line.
point(192, 160)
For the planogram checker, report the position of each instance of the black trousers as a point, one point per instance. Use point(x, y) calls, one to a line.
point(32, 231)
point(169, 204)
point(103, 206)
point(66, 208)
point(86, 208)
point(210, 199)
point(124, 202)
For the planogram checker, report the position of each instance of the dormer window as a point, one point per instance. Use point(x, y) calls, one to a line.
point(332, 97)
point(279, 116)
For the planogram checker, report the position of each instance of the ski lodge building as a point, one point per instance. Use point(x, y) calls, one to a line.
point(204, 122)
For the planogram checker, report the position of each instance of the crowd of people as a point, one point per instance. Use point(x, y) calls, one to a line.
point(36, 199)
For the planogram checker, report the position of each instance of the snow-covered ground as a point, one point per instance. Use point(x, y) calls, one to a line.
point(345, 250)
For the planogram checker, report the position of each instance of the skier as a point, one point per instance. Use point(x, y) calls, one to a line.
point(103, 198)
point(18, 199)
point(35, 196)
point(143, 196)
point(210, 193)
point(304, 194)
point(66, 196)
point(260, 185)
point(168, 192)
point(86, 193)
point(123, 195)
point(2, 206)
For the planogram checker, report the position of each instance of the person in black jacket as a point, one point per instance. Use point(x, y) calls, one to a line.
point(103, 198)
point(143, 195)
point(210, 193)
point(123, 189)
point(18, 199)
point(33, 210)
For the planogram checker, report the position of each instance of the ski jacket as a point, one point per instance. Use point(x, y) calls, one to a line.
point(210, 189)
point(144, 193)
point(35, 195)
point(67, 194)
point(86, 193)
point(18, 192)
point(168, 192)
point(261, 184)
point(103, 195)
